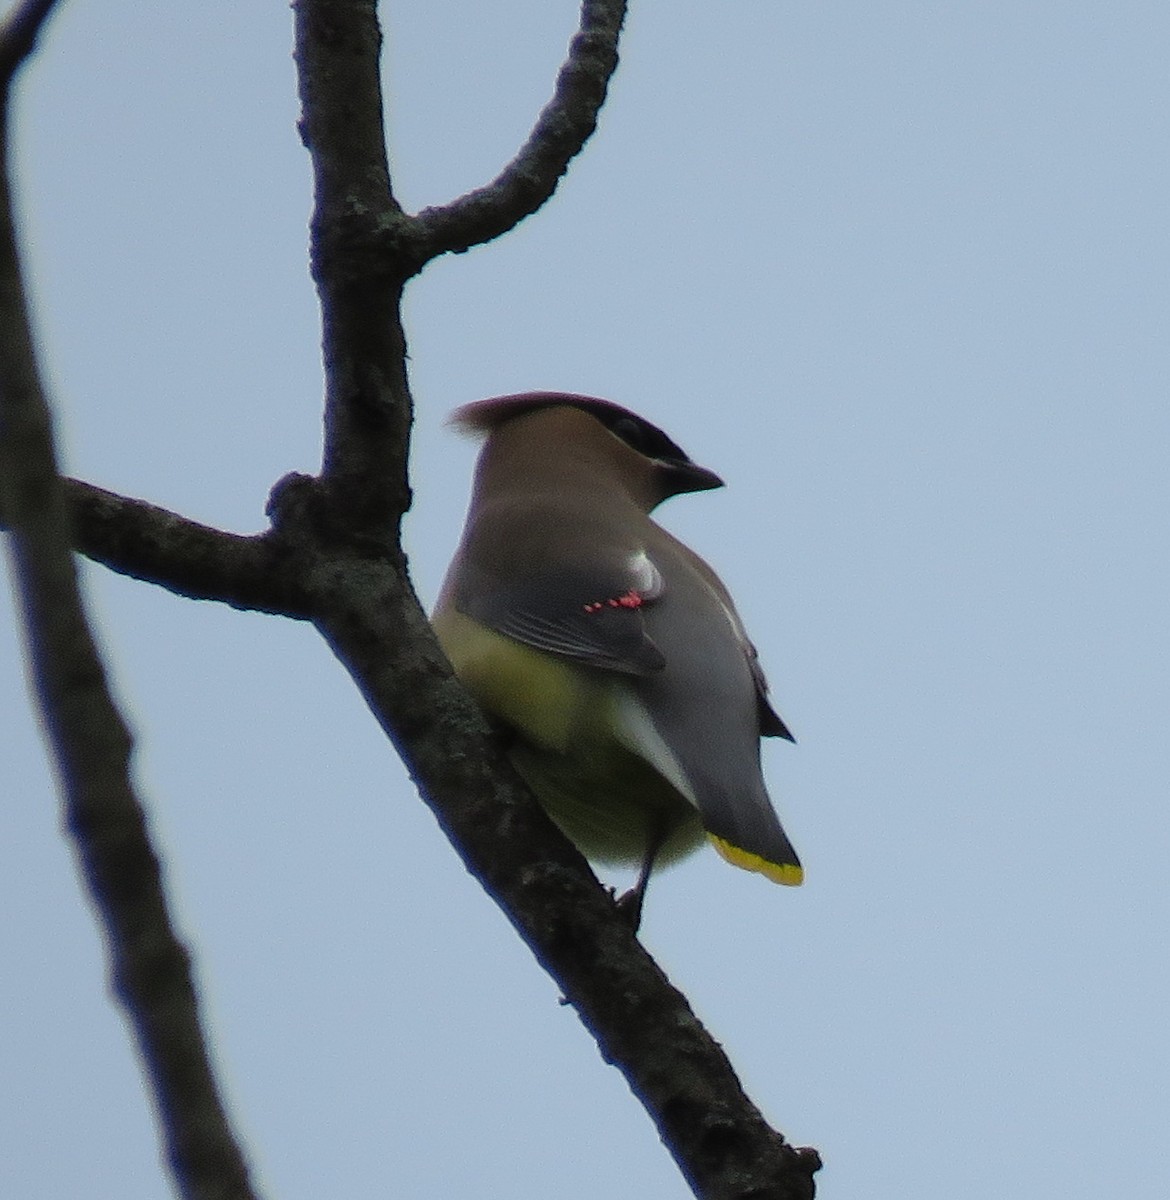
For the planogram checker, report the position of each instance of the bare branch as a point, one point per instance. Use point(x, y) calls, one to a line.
point(144, 541)
point(359, 264)
point(19, 33)
point(150, 967)
point(154, 544)
point(560, 133)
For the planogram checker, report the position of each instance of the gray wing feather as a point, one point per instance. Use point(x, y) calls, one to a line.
point(569, 614)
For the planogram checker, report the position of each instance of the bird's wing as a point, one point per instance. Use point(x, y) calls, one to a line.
point(591, 616)
point(771, 723)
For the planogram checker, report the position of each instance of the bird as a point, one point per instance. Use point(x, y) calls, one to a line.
point(609, 651)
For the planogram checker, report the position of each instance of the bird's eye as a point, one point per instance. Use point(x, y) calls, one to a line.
point(646, 439)
point(632, 433)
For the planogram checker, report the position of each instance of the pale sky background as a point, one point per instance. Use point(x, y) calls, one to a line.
point(899, 273)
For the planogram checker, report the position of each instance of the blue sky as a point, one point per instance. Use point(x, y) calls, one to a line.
point(898, 273)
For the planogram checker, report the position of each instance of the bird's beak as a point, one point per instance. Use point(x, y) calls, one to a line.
point(690, 477)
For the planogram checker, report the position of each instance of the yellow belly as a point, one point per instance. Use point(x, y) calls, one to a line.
point(610, 802)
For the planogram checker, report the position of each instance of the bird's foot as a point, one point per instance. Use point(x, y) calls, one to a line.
point(629, 906)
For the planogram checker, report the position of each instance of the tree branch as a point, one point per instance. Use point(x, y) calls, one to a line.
point(150, 967)
point(144, 541)
point(158, 546)
point(559, 135)
point(18, 36)
point(359, 269)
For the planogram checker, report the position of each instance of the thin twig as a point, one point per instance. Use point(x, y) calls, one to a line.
point(18, 34)
point(559, 135)
point(150, 967)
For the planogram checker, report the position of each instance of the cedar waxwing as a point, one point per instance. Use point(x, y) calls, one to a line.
point(610, 650)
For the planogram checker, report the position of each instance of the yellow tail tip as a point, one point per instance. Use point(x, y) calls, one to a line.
point(789, 874)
